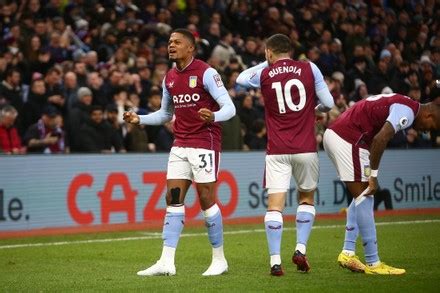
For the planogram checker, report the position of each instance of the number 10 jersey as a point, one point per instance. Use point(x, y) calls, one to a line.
point(288, 88)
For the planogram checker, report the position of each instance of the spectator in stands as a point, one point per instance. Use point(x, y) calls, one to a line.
point(70, 89)
point(232, 134)
point(360, 92)
point(154, 101)
point(80, 69)
point(213, 35)
point(47, 136)
point(53, 80)
point(37, 100)
point(112, 84)
point(10, 141)
point(248, 114)
point(224, 50)
point(256, 139)
point(381, 77)
point(136, 139)
point(97, 135)
point(95, 84)
point(106, 43)
point(358, 71)
point(250, 56)
point(336, 84)
point(111, 112)
point(134, 103)
point(415, 93)
point(108, 47)
point(10, 89)
point(78, 116)
point(165, 138)
point(397, 82)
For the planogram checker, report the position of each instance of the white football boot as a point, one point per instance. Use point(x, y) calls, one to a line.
point(160, 268)
point(217, 267)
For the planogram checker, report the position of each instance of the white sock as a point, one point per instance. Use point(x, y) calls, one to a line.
point(301, 247)
point(168, 254)
point(217, 253)
point(374, 264)
point(275, 260)
point(348, 252)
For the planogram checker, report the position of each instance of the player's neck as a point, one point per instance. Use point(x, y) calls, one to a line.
point(183, 63)
point(281, 57)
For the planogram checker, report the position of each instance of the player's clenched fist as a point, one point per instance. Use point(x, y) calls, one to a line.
point(206, 115)
point(131, 117)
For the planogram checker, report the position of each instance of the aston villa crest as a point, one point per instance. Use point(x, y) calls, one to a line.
point(192, 81)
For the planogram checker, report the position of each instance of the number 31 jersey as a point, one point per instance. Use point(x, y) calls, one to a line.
point(288, 88)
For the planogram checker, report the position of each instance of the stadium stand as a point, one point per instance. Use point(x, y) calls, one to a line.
point(118, 50)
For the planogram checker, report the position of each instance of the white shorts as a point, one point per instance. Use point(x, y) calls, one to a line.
point(200, 165)
point(351, 161)
point(280, 168)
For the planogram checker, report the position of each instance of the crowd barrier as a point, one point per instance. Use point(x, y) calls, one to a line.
point(61, 191)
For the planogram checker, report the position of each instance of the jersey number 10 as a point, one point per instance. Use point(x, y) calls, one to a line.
point(286, 95)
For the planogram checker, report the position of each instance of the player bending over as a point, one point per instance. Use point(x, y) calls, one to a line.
point(355, 143)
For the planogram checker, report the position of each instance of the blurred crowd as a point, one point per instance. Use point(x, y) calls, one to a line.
point(70, 68)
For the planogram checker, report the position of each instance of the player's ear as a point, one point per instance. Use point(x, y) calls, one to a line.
point(191, 48)
point(268, 54)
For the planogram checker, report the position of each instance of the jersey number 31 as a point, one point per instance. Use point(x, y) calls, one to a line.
point(286, 95)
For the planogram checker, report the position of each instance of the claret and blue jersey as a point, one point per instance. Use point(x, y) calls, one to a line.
point(360, 123)
point(289, 89)
point(184, 93)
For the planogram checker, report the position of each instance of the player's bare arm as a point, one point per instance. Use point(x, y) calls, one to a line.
point(378, 146)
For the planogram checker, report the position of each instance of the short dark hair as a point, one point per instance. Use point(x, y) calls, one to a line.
point(95, 108)
point(187, 34)
point(279, 43)
point(11, 70)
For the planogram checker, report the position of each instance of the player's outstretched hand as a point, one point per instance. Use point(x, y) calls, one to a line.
point(131, 117)
point(206, 115)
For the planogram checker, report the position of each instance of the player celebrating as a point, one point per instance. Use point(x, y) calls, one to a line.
point(194, 92)
point(289, 88)
point(355, 143)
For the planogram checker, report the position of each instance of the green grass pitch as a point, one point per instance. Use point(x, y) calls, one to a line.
point(80, 263)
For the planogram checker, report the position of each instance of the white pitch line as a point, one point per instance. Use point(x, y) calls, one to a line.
point(159, 235)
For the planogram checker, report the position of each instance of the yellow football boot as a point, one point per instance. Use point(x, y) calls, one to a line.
point(383, 269)
point(351, 262)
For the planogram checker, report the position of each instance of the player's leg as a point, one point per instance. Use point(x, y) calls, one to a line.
point(178, 181)
point(205, 168)
point(273, 222)
point(348, 258)
point(306, 173)
point(340, 153)
point(277, 180)
point(364, 206)
point(214, 224)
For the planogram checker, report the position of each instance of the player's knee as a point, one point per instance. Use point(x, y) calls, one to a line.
point(174, 196)
point(206, 195)
point(206, 200)
point(306, 196)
